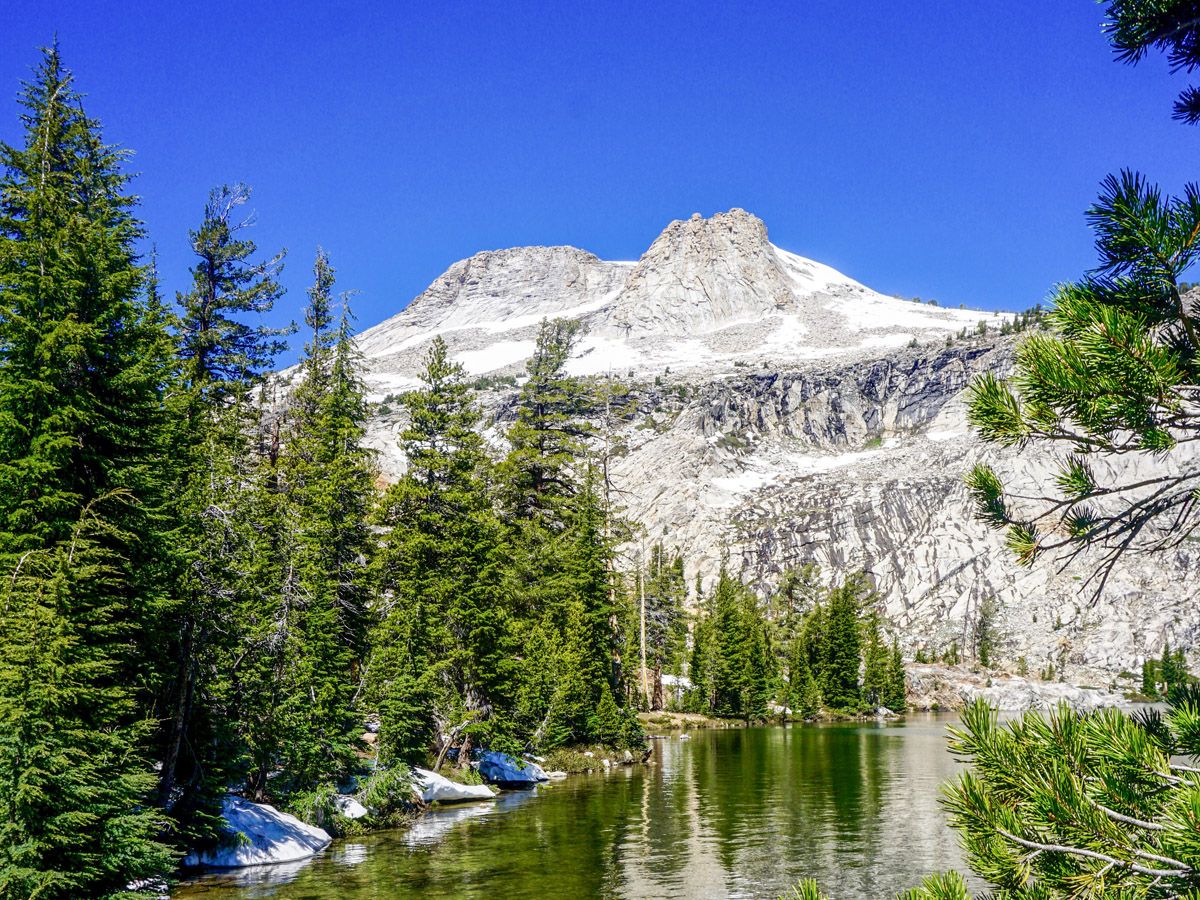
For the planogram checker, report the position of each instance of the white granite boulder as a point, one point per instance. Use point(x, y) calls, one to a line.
point(349, 807)
point(432, 787)
point(507, 771)
point(258, 834)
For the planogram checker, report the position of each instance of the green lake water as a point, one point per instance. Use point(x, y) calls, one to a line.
point(729, 813)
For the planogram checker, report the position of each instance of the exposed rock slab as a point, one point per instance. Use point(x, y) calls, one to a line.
point(258, 834)
point(507, 771)
point(945, 687)
point(434, 788)
point(782, 413)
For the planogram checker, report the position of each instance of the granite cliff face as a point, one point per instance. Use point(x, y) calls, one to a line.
point(784, 413)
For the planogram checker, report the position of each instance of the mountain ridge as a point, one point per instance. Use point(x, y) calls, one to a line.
point(706, 293)
point(784, 413)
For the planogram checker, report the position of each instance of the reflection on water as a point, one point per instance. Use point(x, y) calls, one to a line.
point(736, 813)
point(432, 828)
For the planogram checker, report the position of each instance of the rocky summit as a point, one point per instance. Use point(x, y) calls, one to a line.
point(779, 413)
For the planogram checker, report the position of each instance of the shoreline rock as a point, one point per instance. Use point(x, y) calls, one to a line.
point(509, 772)
point(935, 687)
point(258, 834)
point(434, 788)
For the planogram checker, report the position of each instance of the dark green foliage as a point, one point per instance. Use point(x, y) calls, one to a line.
point(228, 505)
point(497, 621)
point(302, 611)
point(876, 664)
point(985, 631)
point(330, 482)
point(842, 650)
point(1149, 678)
point(1173, 26)
point(732, 668)
point(387, 793)
point(583, 662)
point(1166, 668)
point(547, 437)
point(1117, 368)
point(559, 554)
point(83, 360)
point(73, 781)
point(895, 692)
point(836, 656)
point(803, 694)
point(1096, 793)
point(219, 348)
point(605, 724)
point(1172, 669)
point(441, 654)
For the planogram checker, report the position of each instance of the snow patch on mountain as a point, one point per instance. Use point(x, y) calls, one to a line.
point(709, 295)
point(787, 413)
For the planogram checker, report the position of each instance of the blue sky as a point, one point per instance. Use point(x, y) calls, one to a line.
point(941, 149)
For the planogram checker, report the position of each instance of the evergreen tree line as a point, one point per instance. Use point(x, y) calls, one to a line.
point(810, 649)
point(1160, 676)
point(202, 589)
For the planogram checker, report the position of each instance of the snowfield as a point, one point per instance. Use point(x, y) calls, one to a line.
point(709, 295)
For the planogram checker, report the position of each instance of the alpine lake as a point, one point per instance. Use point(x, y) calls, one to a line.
point(737, 813)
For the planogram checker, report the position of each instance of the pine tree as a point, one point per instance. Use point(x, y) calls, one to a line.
point(1166, 669)
point(702, 662)
point(550, 430)
point(302, 610)
point(758, 677)
point(814, 637)
point(1181, 669)
point(558, 550)
point(875, 664)
point(221, 351)
point(583, 665)
point(804, 694)
point(1149, 682)
point(74, 820)
point(840, 685)
point(1113, 376)
point(798, 593)
point(1115, 373)
point(538, 478)
point(737, 662)
point(442, 652)
point(1116, 829)
point(218, 453)
point(82, 603)
point(330, 477)
point(729, 638)
point(985, 631)
point(605, 724)
point(895, 695)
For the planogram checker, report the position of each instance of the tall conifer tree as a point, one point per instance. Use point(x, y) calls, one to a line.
point(223, 357)
point(441, 662)
point(82, 371)
point(840, 684)
point(301, 614)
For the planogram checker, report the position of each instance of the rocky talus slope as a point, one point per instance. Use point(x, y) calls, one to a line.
point(779, 413)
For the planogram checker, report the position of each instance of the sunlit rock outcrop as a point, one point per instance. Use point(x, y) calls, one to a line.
point(780, 412)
